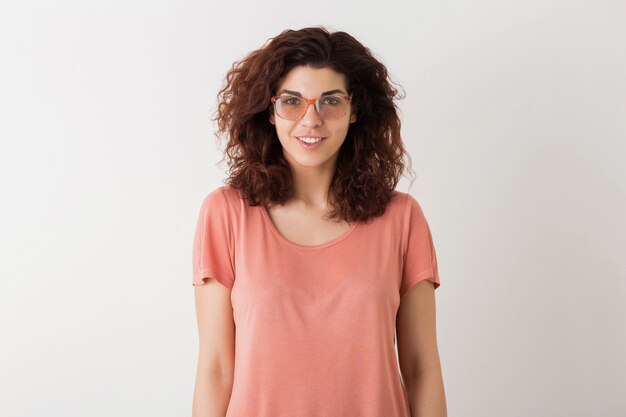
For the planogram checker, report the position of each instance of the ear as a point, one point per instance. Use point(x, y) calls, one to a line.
point(272, 119)
point(353, 117)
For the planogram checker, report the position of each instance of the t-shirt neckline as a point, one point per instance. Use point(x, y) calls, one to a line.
point(283, 239)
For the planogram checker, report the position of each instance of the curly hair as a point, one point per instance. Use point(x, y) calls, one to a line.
point(370, 161)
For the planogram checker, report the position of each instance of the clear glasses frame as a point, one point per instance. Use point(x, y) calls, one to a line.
point(309, 101)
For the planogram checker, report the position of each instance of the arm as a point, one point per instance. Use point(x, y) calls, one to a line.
point(216, 357)
point(418, 352)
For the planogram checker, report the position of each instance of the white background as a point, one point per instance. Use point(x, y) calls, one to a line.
point(514, 116)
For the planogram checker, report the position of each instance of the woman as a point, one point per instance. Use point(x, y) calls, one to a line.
point(308, 261)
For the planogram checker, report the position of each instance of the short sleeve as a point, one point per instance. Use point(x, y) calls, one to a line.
point(213, 242)
point(420, 258)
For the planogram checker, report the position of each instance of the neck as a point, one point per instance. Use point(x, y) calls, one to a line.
point(311, 186)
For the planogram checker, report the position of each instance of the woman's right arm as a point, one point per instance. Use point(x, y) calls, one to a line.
point(216, 356)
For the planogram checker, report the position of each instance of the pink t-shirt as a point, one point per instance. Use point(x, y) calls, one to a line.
point(315, 325)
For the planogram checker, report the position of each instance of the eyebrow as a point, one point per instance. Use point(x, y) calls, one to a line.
point(325, 93)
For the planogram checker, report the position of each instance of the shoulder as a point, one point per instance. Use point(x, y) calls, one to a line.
point(231, 195)
point(224, 201)
point(394, 211)
point(223, 195)
point(410, 211)
point(410, 205)
point(213, 199)
point(215, 203)
point(403, 203)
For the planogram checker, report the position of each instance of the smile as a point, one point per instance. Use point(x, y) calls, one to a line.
point(310, 142)
point(310, 139)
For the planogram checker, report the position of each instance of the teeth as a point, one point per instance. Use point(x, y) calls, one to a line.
point(309, 139)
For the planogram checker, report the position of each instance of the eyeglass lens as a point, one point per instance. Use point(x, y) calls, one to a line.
point(293, 108)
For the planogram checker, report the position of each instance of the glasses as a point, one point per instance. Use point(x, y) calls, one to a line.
point(328, 107)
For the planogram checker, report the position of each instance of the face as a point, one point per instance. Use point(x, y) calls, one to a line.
point(311, 83)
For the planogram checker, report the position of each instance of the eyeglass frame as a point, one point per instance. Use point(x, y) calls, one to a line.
point(309, 101)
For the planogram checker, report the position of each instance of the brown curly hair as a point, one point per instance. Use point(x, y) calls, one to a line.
point(370, 161)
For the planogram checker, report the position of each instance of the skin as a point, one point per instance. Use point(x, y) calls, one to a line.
point(301, 220)
point(418, 353)
point(216, 355)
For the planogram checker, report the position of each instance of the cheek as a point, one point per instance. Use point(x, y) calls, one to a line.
point(340, 131)
point(284, 134)
point(285, 128)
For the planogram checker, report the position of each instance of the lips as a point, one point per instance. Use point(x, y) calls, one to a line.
point(312, 145)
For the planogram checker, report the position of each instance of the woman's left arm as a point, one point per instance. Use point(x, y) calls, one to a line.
point(418, 353)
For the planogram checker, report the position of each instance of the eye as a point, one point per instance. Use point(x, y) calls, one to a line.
point(331, 100)
point(290, 100)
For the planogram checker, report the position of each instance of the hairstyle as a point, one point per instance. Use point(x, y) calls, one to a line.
point(370, 161)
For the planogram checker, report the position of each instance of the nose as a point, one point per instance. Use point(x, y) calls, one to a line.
point(311, 117)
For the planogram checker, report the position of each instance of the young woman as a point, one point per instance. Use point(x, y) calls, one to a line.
point(307, 263)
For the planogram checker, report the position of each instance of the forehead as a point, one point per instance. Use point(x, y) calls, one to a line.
point(312, 81)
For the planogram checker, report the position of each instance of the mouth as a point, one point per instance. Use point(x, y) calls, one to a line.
point(310, 142)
